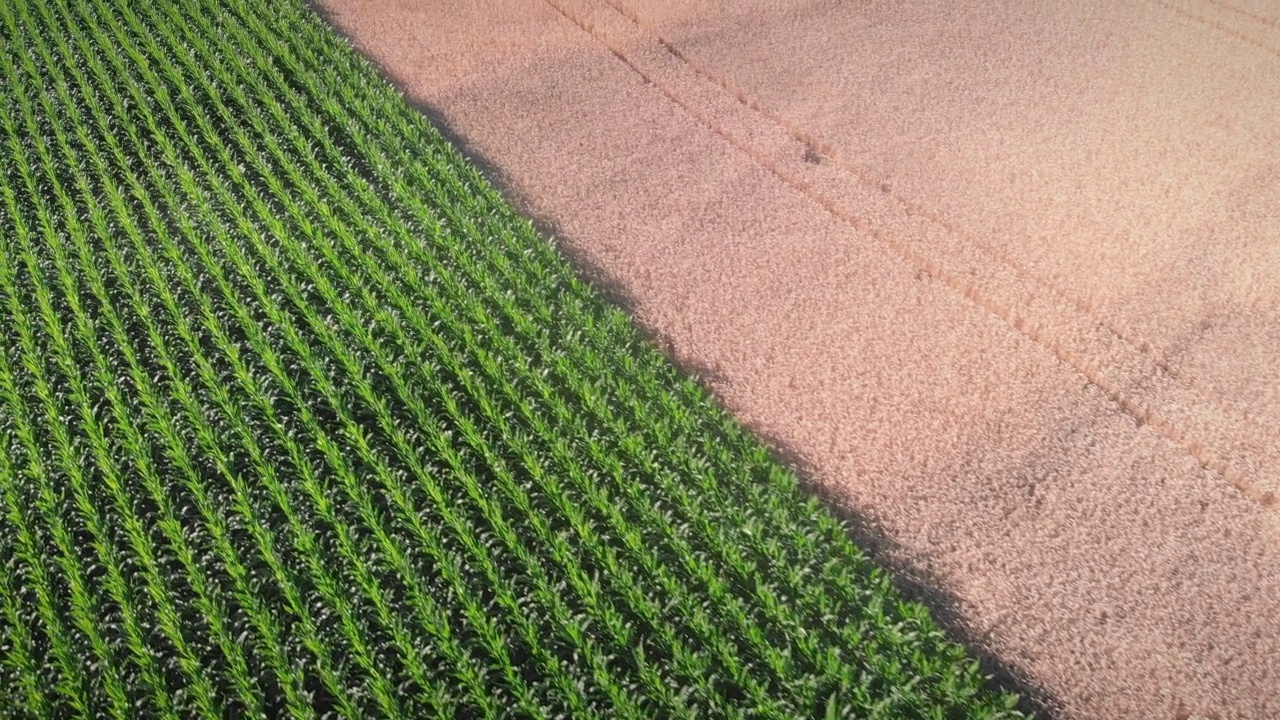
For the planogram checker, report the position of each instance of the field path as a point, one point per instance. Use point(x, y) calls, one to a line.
point(1003, 277)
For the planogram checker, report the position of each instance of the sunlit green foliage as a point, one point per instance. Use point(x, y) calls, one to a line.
point(297, 418)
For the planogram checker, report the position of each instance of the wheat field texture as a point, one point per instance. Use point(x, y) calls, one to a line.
point(299, 419)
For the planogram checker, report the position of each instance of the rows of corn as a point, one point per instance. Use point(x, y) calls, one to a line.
point(298, 419)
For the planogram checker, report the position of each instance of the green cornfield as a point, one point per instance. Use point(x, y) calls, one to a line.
point(299, 419)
